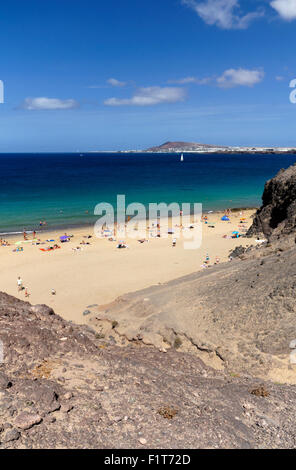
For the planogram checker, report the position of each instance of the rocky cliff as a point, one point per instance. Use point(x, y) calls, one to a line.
point(277, 215)
point(64, 386)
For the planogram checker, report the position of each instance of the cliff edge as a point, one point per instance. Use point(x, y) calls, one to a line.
point(277, 215)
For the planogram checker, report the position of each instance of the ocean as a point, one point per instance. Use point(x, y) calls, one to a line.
point(63, 189)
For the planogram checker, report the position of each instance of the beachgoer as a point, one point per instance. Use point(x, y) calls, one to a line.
point(19, 284)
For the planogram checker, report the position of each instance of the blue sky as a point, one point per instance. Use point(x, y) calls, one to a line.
point(94, 75)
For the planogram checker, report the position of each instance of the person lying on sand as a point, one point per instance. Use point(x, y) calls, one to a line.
point(122, 245)
point(50, 248)
point(36, 242)
point(18, 249)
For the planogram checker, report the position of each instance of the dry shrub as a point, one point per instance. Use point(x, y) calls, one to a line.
point(177, 343)
point(43, 370)
point(167, 412)
point(260, 391)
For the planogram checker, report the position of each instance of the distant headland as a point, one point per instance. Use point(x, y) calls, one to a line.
point(195, 147)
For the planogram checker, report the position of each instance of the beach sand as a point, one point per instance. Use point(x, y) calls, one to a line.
point(99, 272)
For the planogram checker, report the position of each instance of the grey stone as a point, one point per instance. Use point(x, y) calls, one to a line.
point(11, 435)
point(4, 381)
point(27, 420)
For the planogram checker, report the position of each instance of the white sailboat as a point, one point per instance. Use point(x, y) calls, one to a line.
point(182, 158)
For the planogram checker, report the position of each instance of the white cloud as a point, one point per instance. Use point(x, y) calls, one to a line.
point(223, 13)
point(115, 82)
point(285, 8)
point(240, 77)
point(48, 103)
point(186, 80)
point(94, 87)
point(150, 96)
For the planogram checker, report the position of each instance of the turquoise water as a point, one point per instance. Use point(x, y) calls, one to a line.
point(60, 188)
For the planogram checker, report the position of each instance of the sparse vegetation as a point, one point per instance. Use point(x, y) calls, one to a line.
point(234, 375)
point(260, 391)
point(100, 336)
point(177, 343)
point(167, 412)
point(44, 370)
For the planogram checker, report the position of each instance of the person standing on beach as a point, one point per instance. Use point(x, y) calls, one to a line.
point(19, 284)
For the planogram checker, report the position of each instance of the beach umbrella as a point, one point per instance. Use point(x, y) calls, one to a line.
point(64, 238)
point(225, 218)
point(235, 233)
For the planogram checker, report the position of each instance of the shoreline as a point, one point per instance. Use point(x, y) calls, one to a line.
point(55, 228)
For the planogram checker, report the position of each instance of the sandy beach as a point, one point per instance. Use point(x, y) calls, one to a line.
point(99, 272)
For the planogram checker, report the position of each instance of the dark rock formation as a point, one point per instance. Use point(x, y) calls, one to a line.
point(277, 216)
point(62, 387)
point(240, 251)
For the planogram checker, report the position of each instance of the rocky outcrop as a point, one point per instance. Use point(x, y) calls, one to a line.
point(238, 316)
point(64, 386)
point(277, 215)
